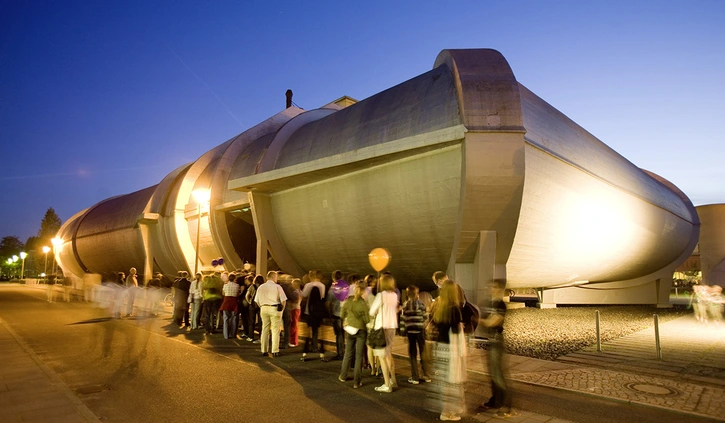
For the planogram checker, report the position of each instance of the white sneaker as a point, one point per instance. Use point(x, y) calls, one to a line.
point(383, 388)
point(413, 381)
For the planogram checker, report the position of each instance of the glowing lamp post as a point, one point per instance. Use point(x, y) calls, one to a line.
point(201, 196)
point(46, 250)
point(23, 254)
point(56, 244)
point(15, 259)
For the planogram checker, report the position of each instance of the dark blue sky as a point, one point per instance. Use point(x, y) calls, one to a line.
point(104, 98)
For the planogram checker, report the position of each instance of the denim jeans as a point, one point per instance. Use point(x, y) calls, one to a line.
point(355, 344)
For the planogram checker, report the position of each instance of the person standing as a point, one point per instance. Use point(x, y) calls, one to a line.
point(355, 317)
point(293, 304)
point(500, 394)
point(181, 299)
point(229, 307)
point(271, 301)
point(195, 300)
point(385, 313)
point(449, 352)
point(338, 293)
point(253, 308)
point(438, 279)
point(315, 311)
point(286, 285)
point(243, 304)
point(415, 317)
point(131, 288)
point(211, 295)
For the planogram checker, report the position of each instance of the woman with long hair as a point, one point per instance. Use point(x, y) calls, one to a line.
point(384, 313)
point(354, 317)
point(449, 351)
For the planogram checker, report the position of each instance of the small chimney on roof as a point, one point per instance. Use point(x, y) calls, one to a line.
point(288, 94)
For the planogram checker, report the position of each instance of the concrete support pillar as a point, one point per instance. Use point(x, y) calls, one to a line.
point(476, 278)
point(146, 224)
point(546, 299)
point(268, 239)
point(148, 263)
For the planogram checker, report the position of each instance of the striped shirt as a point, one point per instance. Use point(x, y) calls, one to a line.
point(414, 316)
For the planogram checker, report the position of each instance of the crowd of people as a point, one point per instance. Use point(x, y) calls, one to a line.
point(366, 314)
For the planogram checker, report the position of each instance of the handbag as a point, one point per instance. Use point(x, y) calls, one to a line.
point(376, 337)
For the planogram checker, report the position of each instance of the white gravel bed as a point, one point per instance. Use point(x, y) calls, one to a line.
point(549, 333)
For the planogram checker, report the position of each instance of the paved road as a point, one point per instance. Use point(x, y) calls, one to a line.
point(147, 370)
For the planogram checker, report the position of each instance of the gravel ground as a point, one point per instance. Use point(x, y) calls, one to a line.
point(549, 333)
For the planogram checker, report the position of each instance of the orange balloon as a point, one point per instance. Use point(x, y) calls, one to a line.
point(379, 258)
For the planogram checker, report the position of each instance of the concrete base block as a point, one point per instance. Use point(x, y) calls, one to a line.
point(546, 305)
point(513, 306)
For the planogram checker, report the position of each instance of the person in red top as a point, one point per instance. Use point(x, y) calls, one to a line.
point(229, 305)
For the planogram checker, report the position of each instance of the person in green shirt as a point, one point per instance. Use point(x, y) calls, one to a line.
point(211, 293)
point(355, 317)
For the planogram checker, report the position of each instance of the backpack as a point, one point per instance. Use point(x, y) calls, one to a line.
point(470, 317)
point(316, 304)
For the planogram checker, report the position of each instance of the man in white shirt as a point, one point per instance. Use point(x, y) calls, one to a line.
point(271, 300)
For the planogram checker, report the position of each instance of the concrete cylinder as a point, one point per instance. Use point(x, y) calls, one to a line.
point(712, 243)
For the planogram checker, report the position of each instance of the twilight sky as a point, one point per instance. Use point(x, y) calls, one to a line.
point(102, 98)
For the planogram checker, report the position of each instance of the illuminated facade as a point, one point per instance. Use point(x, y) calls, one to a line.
point(461, 168)
point(712, 244)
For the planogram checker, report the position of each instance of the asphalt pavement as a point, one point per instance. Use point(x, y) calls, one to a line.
point(72, 362)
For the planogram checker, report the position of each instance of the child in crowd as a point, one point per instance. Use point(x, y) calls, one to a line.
point(415, 317)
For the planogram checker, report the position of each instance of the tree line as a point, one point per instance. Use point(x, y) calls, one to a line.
point(35, 261)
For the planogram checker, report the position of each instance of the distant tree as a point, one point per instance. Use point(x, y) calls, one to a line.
point(49, 227)
point(9, 246)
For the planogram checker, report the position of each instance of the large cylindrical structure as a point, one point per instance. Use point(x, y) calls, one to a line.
point(460, 169)
point(712, 243)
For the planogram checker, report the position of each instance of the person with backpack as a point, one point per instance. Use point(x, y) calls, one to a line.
point(253, 309)
point(414, 317)
point(315, 311)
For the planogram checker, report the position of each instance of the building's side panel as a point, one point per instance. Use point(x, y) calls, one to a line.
point(576, 227)
point(409, 207)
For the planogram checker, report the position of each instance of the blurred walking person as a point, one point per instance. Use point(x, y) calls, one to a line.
point(153, 298)
point(449, 352)
point(494, 320)
point(131, 288)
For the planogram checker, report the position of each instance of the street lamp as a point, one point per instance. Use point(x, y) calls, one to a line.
point(15, 258)
point(46, 249)
point(56, 243)
point(201, 196)
point(23, 254)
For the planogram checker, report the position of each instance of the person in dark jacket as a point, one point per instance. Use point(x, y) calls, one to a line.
point(414, 318)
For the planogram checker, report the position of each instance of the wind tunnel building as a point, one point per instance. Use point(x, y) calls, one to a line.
point(461, 169)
